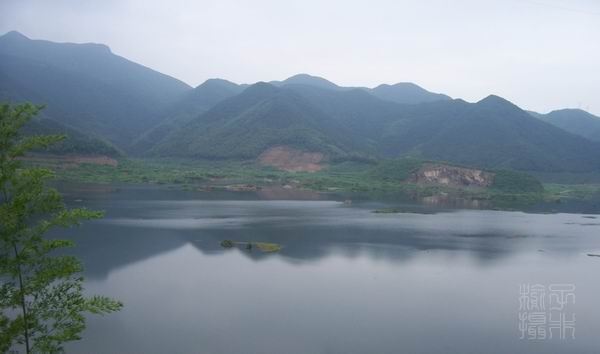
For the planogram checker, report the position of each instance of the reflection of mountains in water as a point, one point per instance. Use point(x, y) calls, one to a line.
point(116, 249)
point(144, 222)
point(107, 245)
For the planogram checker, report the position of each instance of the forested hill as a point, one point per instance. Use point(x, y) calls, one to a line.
point(262, 116)
point(75, 142)
point(86, 86)
point(492, 133)
point(576, 121)
point(189, 106)
point(96, 95)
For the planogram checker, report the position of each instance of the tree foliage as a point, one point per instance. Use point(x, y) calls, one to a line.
point(41, 290)
point(508, 181)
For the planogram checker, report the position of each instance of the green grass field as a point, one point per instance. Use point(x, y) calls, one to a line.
point(345, 177)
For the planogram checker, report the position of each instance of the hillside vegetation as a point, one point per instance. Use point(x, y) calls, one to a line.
point(262, 116)
point(492, 133)
point(75, 142)
point(186, 108)
point(85, 86)
point(575, 121)
point(96, 97)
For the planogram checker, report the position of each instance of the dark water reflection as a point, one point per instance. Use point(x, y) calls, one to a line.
point(346, 281)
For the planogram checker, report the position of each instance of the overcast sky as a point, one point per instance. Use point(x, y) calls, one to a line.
point(539, 54)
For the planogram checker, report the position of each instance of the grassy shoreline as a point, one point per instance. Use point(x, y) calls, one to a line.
point(348, 177)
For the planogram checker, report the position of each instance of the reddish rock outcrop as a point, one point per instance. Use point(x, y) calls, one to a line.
point(451, 176)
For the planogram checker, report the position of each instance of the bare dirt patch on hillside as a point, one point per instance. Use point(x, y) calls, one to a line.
point(292, 160)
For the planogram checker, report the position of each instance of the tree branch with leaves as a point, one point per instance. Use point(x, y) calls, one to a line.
point(42, 301)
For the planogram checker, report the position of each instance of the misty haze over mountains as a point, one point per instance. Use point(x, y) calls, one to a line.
point(299, 177)
point(110, 105)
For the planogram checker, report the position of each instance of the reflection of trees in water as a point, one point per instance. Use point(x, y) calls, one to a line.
point(311, 244)
point(105, 247)
point(447, 201)
point(308, 231)
point(283, 193)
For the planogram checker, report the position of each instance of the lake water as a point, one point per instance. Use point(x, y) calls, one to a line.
point(347, 280)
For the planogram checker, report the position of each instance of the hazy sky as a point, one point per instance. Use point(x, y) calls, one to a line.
point(540, 54)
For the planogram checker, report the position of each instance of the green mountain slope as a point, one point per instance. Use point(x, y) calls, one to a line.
point(492, 133)
point(86, 86)
point(261, 117)
point(94, 95)
point(403, 92)
point(406, 93)
point(575, 121)
point(76, 142)
point(309, 80)
point(189, 106)
point(360, 112)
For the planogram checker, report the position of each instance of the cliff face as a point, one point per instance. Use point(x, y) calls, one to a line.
point(451, 176)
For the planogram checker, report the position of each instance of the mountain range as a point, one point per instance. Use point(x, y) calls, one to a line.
point(86, 86)
point(108, 104)
point(575, 121)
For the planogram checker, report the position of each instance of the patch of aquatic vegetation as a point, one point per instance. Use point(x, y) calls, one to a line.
point(401, 211)
point(266, 247)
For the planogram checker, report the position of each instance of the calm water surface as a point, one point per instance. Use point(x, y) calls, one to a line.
point(346, 281)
